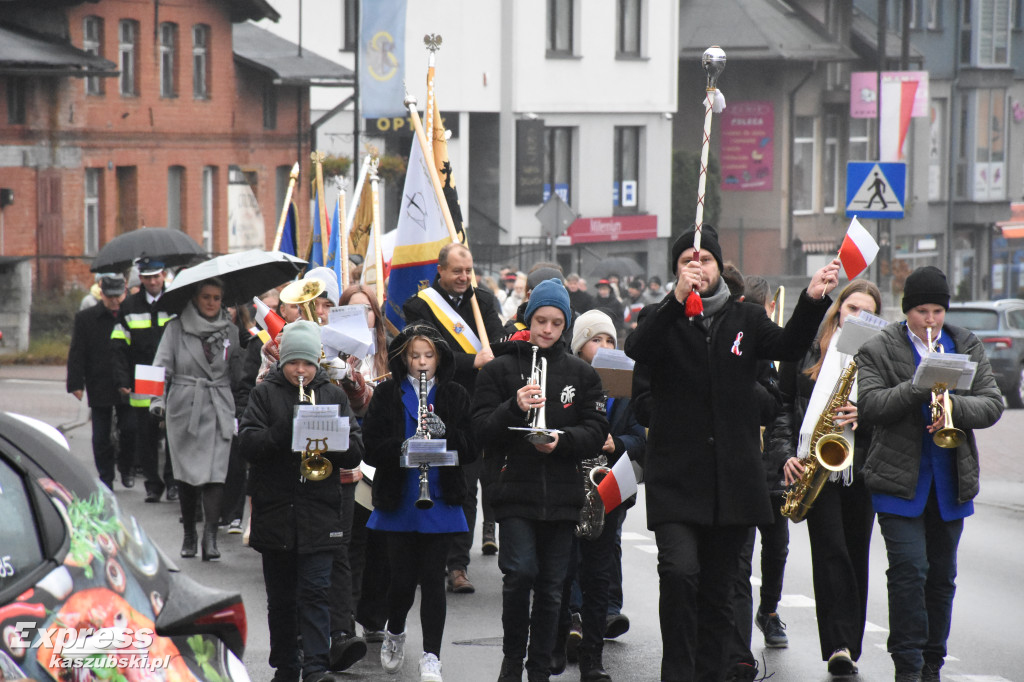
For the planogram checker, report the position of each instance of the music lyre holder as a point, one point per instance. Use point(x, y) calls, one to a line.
point(537, 436)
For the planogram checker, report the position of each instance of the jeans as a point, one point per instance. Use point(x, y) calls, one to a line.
point(342, 613)
point(533, 557)
point(103, 447)
point(697, 568)
point(615, 580)
point(297, 587)
point(922, 582)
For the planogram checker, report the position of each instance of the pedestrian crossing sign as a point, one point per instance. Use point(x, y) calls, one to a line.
point(875, 190)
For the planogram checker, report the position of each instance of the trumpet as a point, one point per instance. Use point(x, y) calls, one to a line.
point(314, 466)
point(942, 408)
point(539, 375)
point(424, 501)
point(302, 293)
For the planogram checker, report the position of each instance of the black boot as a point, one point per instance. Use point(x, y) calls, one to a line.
point(511, 670)
point(188, 520)
point(558, 659)
point(591, 667)
point(210, 551)
point(188, 545)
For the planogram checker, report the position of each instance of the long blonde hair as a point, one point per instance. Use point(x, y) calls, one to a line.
point(831, 321)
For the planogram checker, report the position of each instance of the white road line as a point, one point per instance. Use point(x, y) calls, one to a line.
point(975, 678)
point(627, 535)
point(650, 549)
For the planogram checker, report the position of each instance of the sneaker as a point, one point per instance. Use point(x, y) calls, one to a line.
point(743, 672)
point(616, 626)
point(774, 630)
point(392, 652)
point(172, 492)
point(235, 527)
point(373, 636)
point(489, 544)
point(930, 673)
point(458, 582)
point(575, 637)
point(840, 663)
point(430, 669)
point(346, 650)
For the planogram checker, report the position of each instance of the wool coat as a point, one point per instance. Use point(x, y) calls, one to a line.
point(384, 425)
point(703, 451)
point(198, 402)
point(89, 357)
point(524, 482)
point(290, 513)
point(887, 399)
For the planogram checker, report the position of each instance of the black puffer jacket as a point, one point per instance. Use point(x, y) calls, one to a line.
point(384, 424)
point(887, 399)
point(524, 482)
point(289, 513)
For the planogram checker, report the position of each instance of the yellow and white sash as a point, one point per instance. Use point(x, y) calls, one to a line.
point(453, 323)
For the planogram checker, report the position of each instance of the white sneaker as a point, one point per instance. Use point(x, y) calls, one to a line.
point(392, 652)
point(430, 669)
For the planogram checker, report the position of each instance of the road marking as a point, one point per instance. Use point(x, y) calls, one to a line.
point(627, 535)
point(650, 549)
point(871, 627)
point(796, 601)
point(975, 678)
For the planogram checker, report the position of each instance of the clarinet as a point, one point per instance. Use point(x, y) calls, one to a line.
point(424, 501)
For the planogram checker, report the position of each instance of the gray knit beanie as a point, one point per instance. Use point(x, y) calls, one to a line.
point(300, 340)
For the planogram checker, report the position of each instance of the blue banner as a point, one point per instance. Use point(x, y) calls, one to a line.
point(334, 248)
point(382, 58)
point(289, 242)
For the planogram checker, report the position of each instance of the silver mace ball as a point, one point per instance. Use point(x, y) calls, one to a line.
point(713, 62)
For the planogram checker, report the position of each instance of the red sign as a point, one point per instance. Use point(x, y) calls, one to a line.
point(618, 228)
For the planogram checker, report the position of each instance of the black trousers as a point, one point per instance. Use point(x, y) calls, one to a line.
point(297, 587)
point(418, 559)
point(147, 450)
point(458, 556)
point(103, 452)
point(234, 485)
point(371, 572)
point(839, 527)
point(697, 568)
point(342, 614)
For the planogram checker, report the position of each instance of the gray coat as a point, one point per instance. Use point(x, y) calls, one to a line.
point(198, 403)
point(887, 400)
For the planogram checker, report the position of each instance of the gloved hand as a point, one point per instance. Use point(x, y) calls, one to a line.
point(435, 427)
point(337, 369)
point(156, 410)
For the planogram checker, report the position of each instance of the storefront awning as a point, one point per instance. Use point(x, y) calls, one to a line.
point(1014, 227)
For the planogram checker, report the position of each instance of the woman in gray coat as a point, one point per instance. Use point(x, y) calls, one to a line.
point(198, 353)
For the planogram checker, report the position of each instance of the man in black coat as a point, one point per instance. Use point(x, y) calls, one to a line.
point(704, 478)
point(447, 306)
point(88, 369)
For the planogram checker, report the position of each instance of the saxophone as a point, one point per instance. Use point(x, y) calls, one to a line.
point(591, 521)
point(829, 452)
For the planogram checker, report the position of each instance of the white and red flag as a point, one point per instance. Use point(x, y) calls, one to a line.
point(858, 250)
point(897, 110)
point(268, 319)
point(149, 380)
point(619, 485)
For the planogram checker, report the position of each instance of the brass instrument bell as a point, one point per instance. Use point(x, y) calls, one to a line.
point(302, 293)
point(314, 466)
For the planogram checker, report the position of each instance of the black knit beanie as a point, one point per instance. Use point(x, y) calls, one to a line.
point(708, 240)
point(926, 285)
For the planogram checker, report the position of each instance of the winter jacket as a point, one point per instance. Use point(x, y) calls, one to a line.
point(704, 456)
point(89, 357)
point(290, 513)
point(887, 399)
point(384, 425)
point(416, 310)
point(135, 339)
point(524, 482)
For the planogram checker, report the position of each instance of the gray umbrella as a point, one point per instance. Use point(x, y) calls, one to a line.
point(622, 266)
point(173, 247)
point(244, 274)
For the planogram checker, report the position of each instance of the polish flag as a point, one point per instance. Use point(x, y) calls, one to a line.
point(149, 380)
point(619, 485)
point(897, 110)
point(858, 250)
point(268, 319)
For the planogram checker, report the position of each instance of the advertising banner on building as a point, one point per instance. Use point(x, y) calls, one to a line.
point(864, 91)
point(748, 146)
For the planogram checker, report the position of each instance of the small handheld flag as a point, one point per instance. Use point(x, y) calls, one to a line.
point(858, 250)
point(268, 319)
point(149, 380)
point(619, 485)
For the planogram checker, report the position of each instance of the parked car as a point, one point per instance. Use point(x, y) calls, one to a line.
point(84, 593)
point(1000, 326)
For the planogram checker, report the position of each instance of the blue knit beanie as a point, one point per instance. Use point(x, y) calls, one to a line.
point(549, 292)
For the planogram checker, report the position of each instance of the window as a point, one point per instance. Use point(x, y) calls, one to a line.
point(629, 15)
point(92, 42)
point(933, 14)
point(175, 183)
point(990, 145)
point(936, 150)
point(830, 172)
point(560, 27)
point(93, 180)
point(962, 147)
point(860, 140)
point(803, 164)
point(22, 549)
point(269, 106)
point(168, 60)
point(128, 32)
point(200, 61)
point(989, 44)
point(350, 26)
point(17, 93)
point(558, 163)
point(626, 190)
point(209, 205)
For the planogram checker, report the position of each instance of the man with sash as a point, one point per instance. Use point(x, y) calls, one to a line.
point(134, 341)
point(447, 306)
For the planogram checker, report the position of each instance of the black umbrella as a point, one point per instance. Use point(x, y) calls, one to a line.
point(622, 266)
point(173, 247)
point(244, 274)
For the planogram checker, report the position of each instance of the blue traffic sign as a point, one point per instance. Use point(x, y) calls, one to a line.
point(875, 190)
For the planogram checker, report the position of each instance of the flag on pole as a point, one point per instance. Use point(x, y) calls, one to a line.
point(382, 58)
point(267, 318)
point(316, 253)
point(420, 235)
point(149, 380)
point(289, 242)
point(619, 485)
point(443, 164)
point(897, 110)
point(334, 247)
point(858, 250)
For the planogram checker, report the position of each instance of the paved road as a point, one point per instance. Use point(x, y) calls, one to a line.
point(987, 626)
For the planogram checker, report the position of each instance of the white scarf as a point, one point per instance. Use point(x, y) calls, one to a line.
point(832, 367)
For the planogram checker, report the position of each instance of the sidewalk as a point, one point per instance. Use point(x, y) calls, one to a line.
point(34, 372)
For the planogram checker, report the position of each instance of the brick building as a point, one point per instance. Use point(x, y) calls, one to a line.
point(119, 114)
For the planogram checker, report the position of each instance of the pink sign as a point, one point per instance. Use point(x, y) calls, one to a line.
point(613, 229)
point(864, 91)
point(747, 146)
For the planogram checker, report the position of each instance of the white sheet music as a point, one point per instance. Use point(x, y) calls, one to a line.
point(319, 426)
point(953, 370)
point(347, 332)
point(612, 359)
point(432, 451)
point(857, 330)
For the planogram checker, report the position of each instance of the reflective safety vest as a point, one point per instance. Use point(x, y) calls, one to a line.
point(135, 339)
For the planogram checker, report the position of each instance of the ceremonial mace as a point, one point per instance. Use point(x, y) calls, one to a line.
point(713, 62)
